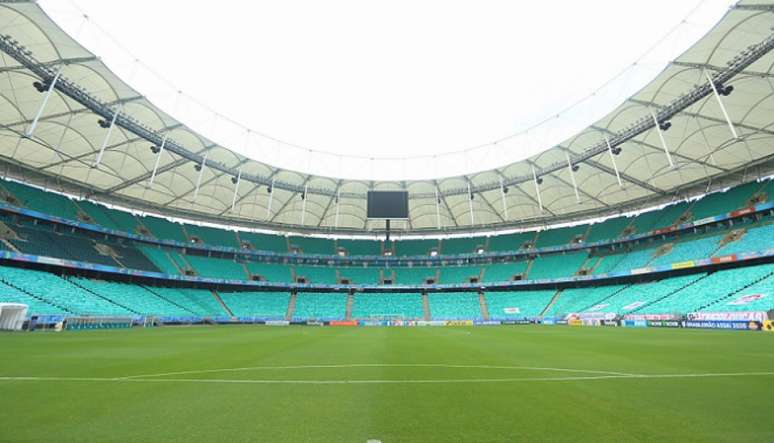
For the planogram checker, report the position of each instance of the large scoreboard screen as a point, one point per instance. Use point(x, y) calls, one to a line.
point(388, 204)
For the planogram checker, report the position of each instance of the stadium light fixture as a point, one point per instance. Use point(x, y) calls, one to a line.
point(158, 159)
point(572, 170)
point(50, 89)
point(236, 188)
point(470, 206)
point(271, 199)
point(199, 178)
point(338, 204)
point(660, 133)
point(725, 91)
point(537, 188)
point(107, 138)
point(303, 205)
point(612, 159)
point(437, 208)
point(503, 191)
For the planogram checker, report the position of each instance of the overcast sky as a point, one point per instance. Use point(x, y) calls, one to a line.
point(390, 79)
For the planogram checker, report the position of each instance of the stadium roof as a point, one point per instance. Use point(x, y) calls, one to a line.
point(61, 144)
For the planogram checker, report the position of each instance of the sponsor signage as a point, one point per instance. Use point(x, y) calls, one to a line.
point(635, 323)
point(511, 310)
point(459, 322)
point(549, 321)
point(431, 323)
point(727, 316)
point(683, 264)
point(652, 317)
point(768, 325)
point(575, 322)
point(486, 322)
point(522, 321)
point(597, 315)
point(664, 323)
point(723, 259)
point(343, 323)
point(744, 211)
point(276, 323)
point(609, 323)
point(720, 324)
point(372, 323)
point(634, 305)
point(746, 299)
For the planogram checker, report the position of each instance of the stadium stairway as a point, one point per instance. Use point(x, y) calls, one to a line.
point(551, 302)
point(9, 245)
point(425, 306)
point(291, 306)
point(602, 300)
point(530, 262)
point(167, 299)
point(669, 294)
point(90, 291)
point(751, 283)
point(222, 304)
point(350, 301)
point(482, 304)
point(8, 281)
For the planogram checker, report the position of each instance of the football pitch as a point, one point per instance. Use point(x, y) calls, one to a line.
point(506, 383)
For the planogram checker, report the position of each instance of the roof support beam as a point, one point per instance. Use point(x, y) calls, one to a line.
point(627, 177)
point(76, 111)
point(334, 198)
point(64, 61)
point(577, 189)
point(146, 175)
point(446, 204)
point(491, 207)
point(42, 107)
point(109, 148)
point(287, 202)
point(254, 189)
point(676, 154)
point(706, 117)
point(715, 68)
point(525, 193)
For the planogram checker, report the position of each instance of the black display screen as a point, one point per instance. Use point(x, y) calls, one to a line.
point(388, 204)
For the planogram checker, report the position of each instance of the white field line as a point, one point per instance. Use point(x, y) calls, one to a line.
point(393, 381)
point(379, 365)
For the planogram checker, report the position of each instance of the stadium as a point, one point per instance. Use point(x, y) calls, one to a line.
point(164, 279)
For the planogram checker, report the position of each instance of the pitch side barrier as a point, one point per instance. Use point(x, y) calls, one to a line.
point(336, 260)
point(106, 272)
point(78, 323)
point(736, 325)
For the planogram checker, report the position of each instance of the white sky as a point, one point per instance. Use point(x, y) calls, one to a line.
point(387, 79)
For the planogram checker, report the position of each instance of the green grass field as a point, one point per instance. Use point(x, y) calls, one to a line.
point(508, 383)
